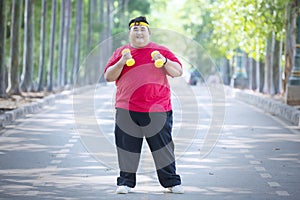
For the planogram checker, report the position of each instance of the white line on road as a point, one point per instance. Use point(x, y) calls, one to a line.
point(55, 161)
point(273, 184)
point(260, 169)
point(64, 151)
point(72, 140)
point(266, 175)
point(254, 162)
point(282, 193)
point(68, 145)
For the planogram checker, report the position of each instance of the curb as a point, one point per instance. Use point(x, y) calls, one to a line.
point(268, 105)
point(10, 116)
point(35, 107)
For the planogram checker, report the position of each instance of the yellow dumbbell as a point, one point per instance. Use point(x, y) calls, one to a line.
point(130, 61)
point(159, 62)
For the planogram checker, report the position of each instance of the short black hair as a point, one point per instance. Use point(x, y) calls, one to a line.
point(137, 20)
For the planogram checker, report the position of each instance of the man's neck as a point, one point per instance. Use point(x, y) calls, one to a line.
point(139, 46)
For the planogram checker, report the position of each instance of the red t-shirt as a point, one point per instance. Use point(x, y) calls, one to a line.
point(143, 87)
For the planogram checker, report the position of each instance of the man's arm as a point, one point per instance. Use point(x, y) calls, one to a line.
point(113, 72)
point(173, 68)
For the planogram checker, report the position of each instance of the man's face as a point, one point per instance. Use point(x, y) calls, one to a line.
point(139, 36)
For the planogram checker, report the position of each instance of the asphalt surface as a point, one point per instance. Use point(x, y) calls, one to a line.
point(236, 151)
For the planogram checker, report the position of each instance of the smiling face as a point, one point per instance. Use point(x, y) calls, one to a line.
point(139, 36)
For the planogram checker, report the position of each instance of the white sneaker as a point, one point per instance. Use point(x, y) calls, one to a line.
point(177, 189)
point(123, 189)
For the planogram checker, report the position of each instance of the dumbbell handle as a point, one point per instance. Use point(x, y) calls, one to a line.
point(130, 61)
point(159, 62)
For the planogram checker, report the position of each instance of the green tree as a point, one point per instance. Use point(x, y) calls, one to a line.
point(52, 47)
point(77, 41)
point(246, 25)
point(41, 74)
point(28, 58)
point(65, 21)
point(14, 68)
point(3, 71)
point(292, 10)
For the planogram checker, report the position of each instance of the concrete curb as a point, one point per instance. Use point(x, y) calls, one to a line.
point(10, 116)
point(269, 105)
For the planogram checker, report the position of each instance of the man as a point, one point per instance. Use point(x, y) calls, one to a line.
point(143, 106)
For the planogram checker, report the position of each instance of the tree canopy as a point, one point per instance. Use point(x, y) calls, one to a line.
point(44, 42)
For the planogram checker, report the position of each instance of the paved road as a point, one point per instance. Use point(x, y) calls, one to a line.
point(57, 153)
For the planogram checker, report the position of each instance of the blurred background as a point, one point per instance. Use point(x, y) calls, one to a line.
point(253, 43)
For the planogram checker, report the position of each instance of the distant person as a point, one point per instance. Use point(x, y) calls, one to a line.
point(143, 106)
point(195, 77)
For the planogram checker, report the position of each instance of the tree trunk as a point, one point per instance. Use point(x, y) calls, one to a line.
point(3, 83)
point(261, 76)
point(254, 74)
point(105, 24)
point(276, 67)
point(109, 22)
point(14, 72)
point(124, 18)
point(102, 21)
point(52, 46)
point(257, 67)
point(60, 72)
point(41, 74)
point(257, 75)
point(280, 66)
point(291, 15)
point(27, 75)
point(65, 42)
point(108, 43)
point(251, 74)
point(77, 40)
point(90, 27)
point(225, 70)
point(88, 71)
point(267, 79)
point(67, 16)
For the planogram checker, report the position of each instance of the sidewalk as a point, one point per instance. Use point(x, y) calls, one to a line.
point(9, 117)
point(269, 105)
point(255, 157)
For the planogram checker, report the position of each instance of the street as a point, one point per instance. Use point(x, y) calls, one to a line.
point(67, 151)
